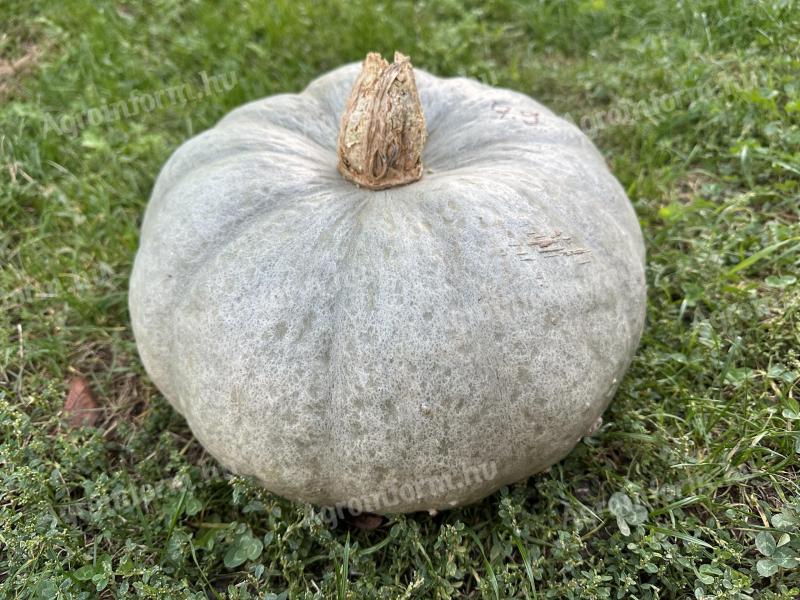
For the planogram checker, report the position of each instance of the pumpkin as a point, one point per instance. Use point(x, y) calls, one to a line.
point(392, 291)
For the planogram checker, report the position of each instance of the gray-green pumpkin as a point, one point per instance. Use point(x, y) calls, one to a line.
point(396, 349)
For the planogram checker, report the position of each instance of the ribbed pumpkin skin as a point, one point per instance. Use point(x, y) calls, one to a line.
point(343, 345)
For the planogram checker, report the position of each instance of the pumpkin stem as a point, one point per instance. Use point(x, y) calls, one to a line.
point(382, 132)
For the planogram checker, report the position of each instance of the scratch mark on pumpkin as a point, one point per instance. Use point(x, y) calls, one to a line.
point(550, 246)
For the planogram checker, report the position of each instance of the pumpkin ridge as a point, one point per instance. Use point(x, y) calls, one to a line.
point(325, 454)
point(197, 167)
point(228, 123)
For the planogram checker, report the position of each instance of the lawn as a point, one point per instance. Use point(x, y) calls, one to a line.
point(689, 488)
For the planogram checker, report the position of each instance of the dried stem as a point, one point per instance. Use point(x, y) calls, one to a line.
point(383, 129)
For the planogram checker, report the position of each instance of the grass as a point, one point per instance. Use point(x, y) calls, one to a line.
point(690, 487)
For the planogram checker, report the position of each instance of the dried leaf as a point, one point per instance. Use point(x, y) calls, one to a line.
point(80, 407)
point(367, 521)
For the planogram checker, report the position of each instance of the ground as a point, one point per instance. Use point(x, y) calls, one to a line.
point(689, 487)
